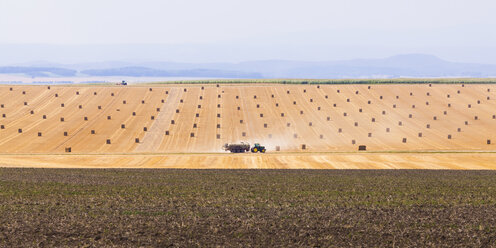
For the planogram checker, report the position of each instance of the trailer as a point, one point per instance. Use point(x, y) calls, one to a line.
point(237, 148)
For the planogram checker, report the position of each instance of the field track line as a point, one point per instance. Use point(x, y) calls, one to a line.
point(153, 138)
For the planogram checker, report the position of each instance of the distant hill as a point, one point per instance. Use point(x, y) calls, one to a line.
point(409, 65)
point(38, 71)
point(149, 72)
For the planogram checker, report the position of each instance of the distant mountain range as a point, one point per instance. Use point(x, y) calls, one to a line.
point(410, 65)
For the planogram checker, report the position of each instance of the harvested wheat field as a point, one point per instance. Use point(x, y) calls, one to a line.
point(439, 126)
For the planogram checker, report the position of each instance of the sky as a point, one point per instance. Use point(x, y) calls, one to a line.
point(234, 30)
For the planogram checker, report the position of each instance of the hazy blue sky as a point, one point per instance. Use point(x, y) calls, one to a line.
point(233, 30)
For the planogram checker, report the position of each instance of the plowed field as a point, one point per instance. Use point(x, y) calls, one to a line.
point(303, 126)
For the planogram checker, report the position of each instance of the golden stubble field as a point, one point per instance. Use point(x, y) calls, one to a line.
point(415, 126)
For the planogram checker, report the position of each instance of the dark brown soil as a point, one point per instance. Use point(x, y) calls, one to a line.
point(244, 208)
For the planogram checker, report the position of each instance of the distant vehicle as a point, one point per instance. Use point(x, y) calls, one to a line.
point(258, 148)
point(122, 83)
point(244, 147)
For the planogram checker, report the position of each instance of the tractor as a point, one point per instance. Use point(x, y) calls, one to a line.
point(258, 148)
